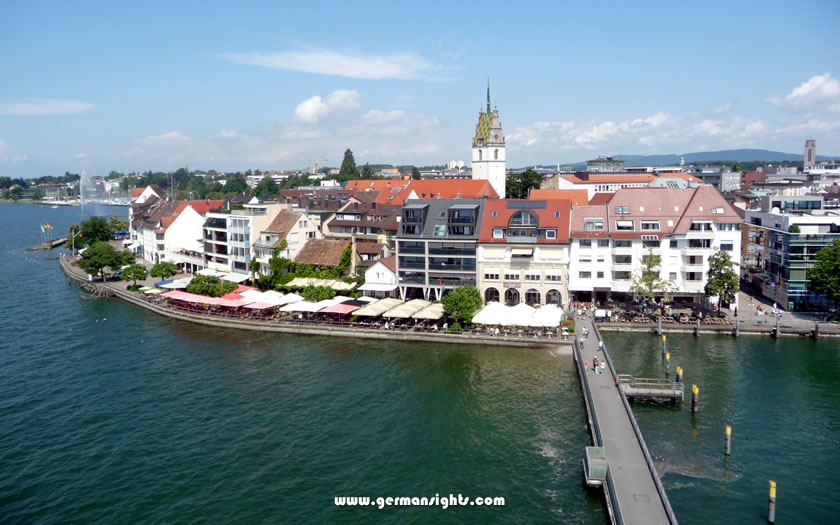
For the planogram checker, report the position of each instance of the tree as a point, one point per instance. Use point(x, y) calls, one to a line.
point(519, 185)
point(462, 303)
point(722, 280)
point(115, 224)
point(210, 285)
point(825, 274)
point(235, 185)
point(317, 293)
point(348, 168)
point(97, 257)
point(794, 229)
point(134, 273)
point(266, 186)
point(254, 264)
point(37, 195)
point(94, 230)
point(344, 260)
point(164, 270)
point(415, 173)
point(367, 171)
point(124, 257)
point(647, 282)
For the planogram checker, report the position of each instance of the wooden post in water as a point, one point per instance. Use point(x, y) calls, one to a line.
point(771, 504)
point(659, 325)
point(727, 447)
point(816, 334)
point(737, 331)
point(664, 344)
point(679, 374)
point(695, 401)
point(777, 333)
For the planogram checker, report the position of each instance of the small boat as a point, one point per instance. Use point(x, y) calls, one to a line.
point(54, 206)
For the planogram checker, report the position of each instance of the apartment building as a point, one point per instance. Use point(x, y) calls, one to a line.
point(294, 227)
point(610, 242)
point(523, 252)
point(437, 244)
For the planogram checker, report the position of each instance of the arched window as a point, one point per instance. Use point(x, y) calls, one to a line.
point(490, 295)
point(523, 218)
point(553, 297)
point(480, 154)
point(496, 155)
point(511, 296)
point(532, 297)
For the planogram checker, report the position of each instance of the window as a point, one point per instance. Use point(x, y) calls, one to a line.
point(586, 243)
point(557, 214)
point(593, 224)
point(522, 218)
point(603, 243)
point(495, 213)
point(624, 225)
point(599, 259)
point(495, 154)
point(675, 244)
point(551, 234)
point(585, 275)
point(600, 275)
point(650, 225)
point(726, 246)
point(650, 243)
point(621, 276)
point(622, 210)
point(511, 277)
point(491, 294)
point(700, 227)
point(622, 244)
point(491, 276)
point(699, 243)
point(585, 260)
point(622, 259)
point(498, 233)
point(554, 277)
point(672, 276)
point(717, 211)
point(694, 276)
point(440, 230)
point(532, 277)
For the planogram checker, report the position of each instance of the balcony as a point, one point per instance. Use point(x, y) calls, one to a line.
point(688, 252)
point(517, 239)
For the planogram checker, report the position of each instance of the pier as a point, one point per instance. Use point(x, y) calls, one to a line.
point(619, 461)
point(645, 388)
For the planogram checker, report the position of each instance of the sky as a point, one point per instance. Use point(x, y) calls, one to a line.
point(235, 86)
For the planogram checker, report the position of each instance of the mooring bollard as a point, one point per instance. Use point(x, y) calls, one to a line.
point(771, 504)
point(667, 364)
point(777, 333)
point(727, 447)
point(816, 330)
point(679, 374)
point(697, 328)
point(659, 325)
point(695, 395)
point(664, 344)
point(737, 327)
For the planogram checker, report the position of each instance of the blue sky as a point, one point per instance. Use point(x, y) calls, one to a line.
point(101, 86)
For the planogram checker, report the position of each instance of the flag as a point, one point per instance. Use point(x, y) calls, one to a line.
point(42, 228)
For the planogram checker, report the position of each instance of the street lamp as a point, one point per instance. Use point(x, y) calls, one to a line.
point(73, 241)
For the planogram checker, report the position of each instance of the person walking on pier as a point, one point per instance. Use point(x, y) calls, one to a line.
point(595, 364)
point(602, 367)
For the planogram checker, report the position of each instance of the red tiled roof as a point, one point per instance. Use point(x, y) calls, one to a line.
point(601, 198)
point(578, 197)
point(546, 218)
point(390, 262)
point(375, 185)
point(322, 252)
point(579, 213)
point(438, 189)
point(136, 192)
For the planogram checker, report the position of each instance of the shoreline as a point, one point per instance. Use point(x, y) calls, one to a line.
point(108, 290)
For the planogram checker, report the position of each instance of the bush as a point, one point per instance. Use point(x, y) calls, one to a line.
point(568, 324)
point(209, 285)
point(455, 329)
point(317, 293)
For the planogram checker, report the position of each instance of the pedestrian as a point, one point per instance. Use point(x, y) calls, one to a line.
point(736, 312)
point(586, 364)
point(445, 326)
point(602, 368)
point(595, 364)
point(601, 346)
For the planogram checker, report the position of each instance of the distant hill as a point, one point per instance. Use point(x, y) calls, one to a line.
point(734, 155)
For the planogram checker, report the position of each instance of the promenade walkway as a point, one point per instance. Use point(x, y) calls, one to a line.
point(631, 483)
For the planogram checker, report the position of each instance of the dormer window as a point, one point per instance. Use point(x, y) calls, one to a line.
point(523, 218)
point(622, 210)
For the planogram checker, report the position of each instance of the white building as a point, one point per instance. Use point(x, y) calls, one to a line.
point(381, 278)
point(182, 232)
point(609, 243)
point(488, 149)
point(294, 227)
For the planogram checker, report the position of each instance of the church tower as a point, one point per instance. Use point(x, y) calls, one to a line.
point(488, 149)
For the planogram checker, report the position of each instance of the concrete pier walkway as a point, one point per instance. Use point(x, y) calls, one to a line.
point(632, 487)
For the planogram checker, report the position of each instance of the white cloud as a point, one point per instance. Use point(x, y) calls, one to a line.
point(3, 146)
point(81, 156)
point(572, 134)
point(403, 66)
point(314, 109)
point(44, 106)
point(390, 123)
point(819, 91)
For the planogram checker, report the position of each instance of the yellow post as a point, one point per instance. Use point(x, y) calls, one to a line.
point(728, 441)
point(695, 401)
point(771, 506)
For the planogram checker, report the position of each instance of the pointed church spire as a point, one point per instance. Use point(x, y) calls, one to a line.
point(488, 95)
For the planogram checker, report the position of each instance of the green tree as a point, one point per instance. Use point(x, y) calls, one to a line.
point(317, 293)
point(266, 186)
point(210, 285)
point(367, 171)
point(37, 195)
point(14, 194)
point(164, 270)
point(97, 257)
point(722, 280)
point(462, 303)
point(825, 274)
point(115, 224)
point(647, 282)
point(124, 257)
point(134, 273)
point(71, 232)
point(345, 259)
point(235, 185)
point(519, 185)
point(254, 265)
point(793, 229)
point(94, 230)
point(348, 168)
point(415, 173)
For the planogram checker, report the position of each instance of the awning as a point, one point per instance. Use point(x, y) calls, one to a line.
point(301, 306)
point(340, 308)
point(234, 277)
point(522, 251)
point(492, 314)
point(378, 308)
point(549, 316)
point(406, 310)
point(519, 315)
point(367, 299)
point(132, 246)
point(163, 283)
point(180, 284)
point(374, 287)
point(259, 306)
point(153, 290)
point(208, 271)
point(434, 311)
